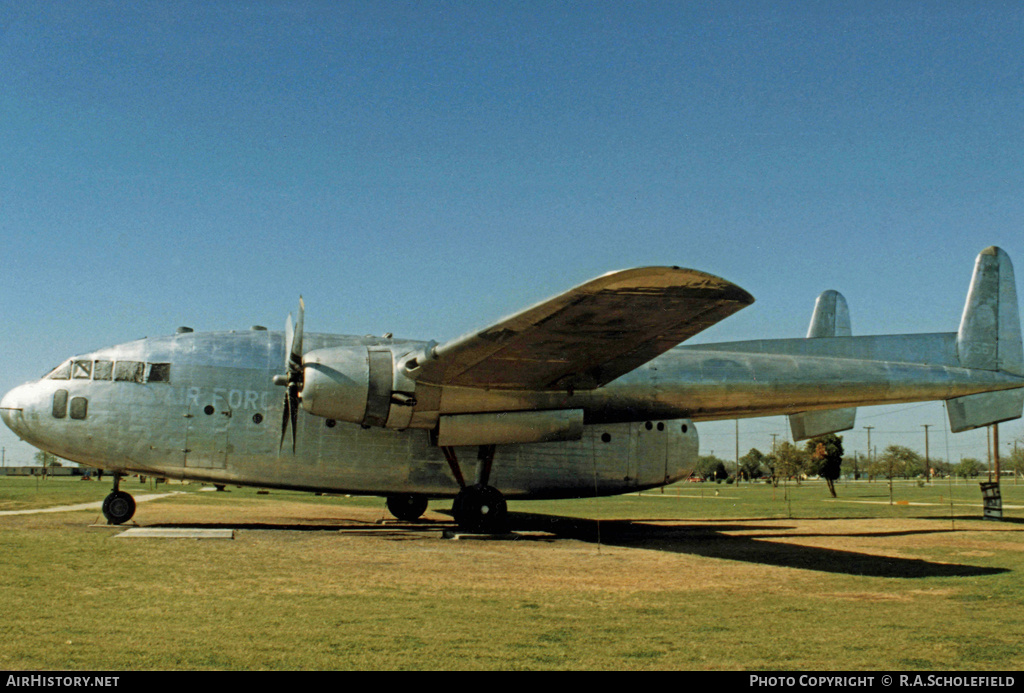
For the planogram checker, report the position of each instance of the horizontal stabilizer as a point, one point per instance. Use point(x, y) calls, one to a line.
point(811, 424)
point(975, 411)
point(831, 318)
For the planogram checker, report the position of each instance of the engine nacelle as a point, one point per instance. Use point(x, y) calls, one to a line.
point(358, 384)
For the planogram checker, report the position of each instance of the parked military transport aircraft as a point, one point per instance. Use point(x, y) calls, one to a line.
point(584, 394)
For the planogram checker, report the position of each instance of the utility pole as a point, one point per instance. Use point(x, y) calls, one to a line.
point(737, 451)
point(990, 492)
point(995, 449)
point(890, 479)
point(927, 461)
point(868, 428)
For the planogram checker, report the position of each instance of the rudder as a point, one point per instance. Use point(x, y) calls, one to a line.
point(989, 339)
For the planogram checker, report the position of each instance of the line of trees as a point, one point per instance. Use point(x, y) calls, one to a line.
point(824, 457)
point(820, 457)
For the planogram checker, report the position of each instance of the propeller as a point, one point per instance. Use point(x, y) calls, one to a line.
point(293, 376)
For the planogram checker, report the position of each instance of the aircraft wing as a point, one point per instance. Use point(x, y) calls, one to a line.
point(590, 335)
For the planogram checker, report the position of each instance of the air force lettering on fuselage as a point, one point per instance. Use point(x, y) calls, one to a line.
point(587, 393)
point(232, 400)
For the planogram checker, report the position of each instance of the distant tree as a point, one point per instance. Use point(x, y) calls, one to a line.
point(770, 462)
point(853, 465)
point(1015, 461)
point(897, 460)
point(969, 468)
point(752, 464)
point(826, 458)
point(790, 461)
point(46, 459)
point(711, 467)
point(941, 467)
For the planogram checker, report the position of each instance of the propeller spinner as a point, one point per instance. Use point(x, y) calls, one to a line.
point(293, 376)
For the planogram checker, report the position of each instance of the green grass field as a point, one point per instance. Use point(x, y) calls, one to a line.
point(701, 576)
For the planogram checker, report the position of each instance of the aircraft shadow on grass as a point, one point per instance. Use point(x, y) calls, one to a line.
point(715, 542)
point(698, 540)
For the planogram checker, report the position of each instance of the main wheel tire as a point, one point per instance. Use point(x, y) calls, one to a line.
point(408, 507)
point(118, 507)
point(481, 510)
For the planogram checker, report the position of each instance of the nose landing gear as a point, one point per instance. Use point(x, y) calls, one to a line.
point(118, 506)
point(408, 507)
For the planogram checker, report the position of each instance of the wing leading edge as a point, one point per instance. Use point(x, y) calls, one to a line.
point(589, 335)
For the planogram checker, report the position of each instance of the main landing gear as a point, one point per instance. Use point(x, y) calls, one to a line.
point(118, 506)
point(480, 508)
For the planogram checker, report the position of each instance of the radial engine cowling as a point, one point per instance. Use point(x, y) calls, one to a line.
point(354, 384)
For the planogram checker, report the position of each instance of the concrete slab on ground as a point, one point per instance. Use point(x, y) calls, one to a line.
point(175, 533)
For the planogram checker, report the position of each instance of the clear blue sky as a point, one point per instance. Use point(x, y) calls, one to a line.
point(425, 168)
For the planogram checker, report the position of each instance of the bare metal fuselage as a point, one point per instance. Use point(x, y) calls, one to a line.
point(579, 395)
point(217, 416)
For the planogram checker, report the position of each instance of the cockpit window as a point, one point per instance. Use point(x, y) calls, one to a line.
point(81, 370)
point(103, 370)
point(124, 371)
point(159, 373)
point(61, 372)
point(129, 371)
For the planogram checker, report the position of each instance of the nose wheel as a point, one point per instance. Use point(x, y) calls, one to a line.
point(118, 506)
point(408, 507)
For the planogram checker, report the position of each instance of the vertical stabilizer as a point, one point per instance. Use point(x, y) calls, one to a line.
point(989, 339)
point(989, 336)
point(831, 318)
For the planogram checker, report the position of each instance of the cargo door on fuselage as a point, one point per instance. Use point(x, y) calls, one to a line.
point(648, 453)
point(206, 436)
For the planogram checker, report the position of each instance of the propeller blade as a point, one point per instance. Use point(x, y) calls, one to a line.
point(293, 405)
point(290, 413)
point(293, 375)
point(289, 337)
point(295, 341)
point(285, 415)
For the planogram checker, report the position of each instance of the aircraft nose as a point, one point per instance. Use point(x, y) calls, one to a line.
point(12, 409)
